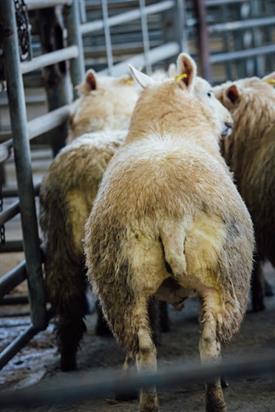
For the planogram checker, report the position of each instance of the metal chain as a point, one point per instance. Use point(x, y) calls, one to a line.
point(2, 227)
point(23, 29)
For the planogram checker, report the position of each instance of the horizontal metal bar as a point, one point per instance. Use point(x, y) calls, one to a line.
point(49, 59)
point(126, 17)
point(9, 213)
point(12, 278)
point(12, 246)
point(4, 152)
point(42, 4)
point(154, 55)
point(222, 2)
point(98, 384)
point(16, 345)
point(241, 54)
point(14, 300)
point(13, 192)
point(243, 24)
point(46, 122)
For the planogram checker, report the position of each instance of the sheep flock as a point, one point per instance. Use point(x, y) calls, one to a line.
point(164, 191)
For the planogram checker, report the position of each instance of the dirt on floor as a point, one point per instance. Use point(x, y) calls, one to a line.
point(36, 365)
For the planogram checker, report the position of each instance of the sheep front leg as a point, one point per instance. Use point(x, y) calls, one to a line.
point(210, 350)
point(146, 360)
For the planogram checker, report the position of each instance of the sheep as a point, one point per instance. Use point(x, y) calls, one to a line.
point(105, 103)
point(250, 153)
point(168, 221)
point(66, 198)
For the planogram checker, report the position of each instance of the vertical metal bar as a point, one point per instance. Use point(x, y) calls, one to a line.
point(180, 24)
point(18, 117)
point(145, 36)
point(108, 42)
point(258, 10)
point(56, 76)
point(225, 37)
point(203, 41)
point(83, 14)
point(77, 66)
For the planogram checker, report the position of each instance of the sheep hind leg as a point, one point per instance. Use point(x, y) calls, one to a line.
point(210, 350)
point(71, 310)
point(146, 360)
point(127, 368)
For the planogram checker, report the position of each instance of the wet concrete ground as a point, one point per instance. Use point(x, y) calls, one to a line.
point(37, 364)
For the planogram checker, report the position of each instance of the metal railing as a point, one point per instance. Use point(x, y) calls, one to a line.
point(100, 384)
point(24, 131)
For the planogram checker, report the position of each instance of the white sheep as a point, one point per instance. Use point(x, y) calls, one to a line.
point(168, 217)
point(250, 153)
point(105, 103)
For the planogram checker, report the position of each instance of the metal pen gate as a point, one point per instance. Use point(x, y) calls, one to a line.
point(24, 131)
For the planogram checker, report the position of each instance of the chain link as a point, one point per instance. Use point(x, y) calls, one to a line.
point(23, 29)
point(2, 227)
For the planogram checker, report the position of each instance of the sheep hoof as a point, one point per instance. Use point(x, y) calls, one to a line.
point(149, 407)
point(214, 399)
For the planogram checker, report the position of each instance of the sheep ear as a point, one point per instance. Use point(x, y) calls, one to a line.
point(187, 71)
point(270, 79)
point(91, 80)
point(232, 93)
point(89, 83)
point(142, 79)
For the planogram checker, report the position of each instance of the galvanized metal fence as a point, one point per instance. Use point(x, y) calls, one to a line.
point(24, 131)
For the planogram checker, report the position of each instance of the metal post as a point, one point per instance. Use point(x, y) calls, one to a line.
point(203, 41)
point(180, 24)
point(18, 117)
point(107, 34)
point(174, 27)
point(56, 76)
point(145, 36)
point(77, 66)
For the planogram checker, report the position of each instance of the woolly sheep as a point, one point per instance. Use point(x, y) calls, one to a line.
point(168, 221)
point(250, 153)
point(66, 198)
point(105, 103)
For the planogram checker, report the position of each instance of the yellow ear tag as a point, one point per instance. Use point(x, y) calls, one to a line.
point(270, 81)
point(130, 82)
point(181, 76)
